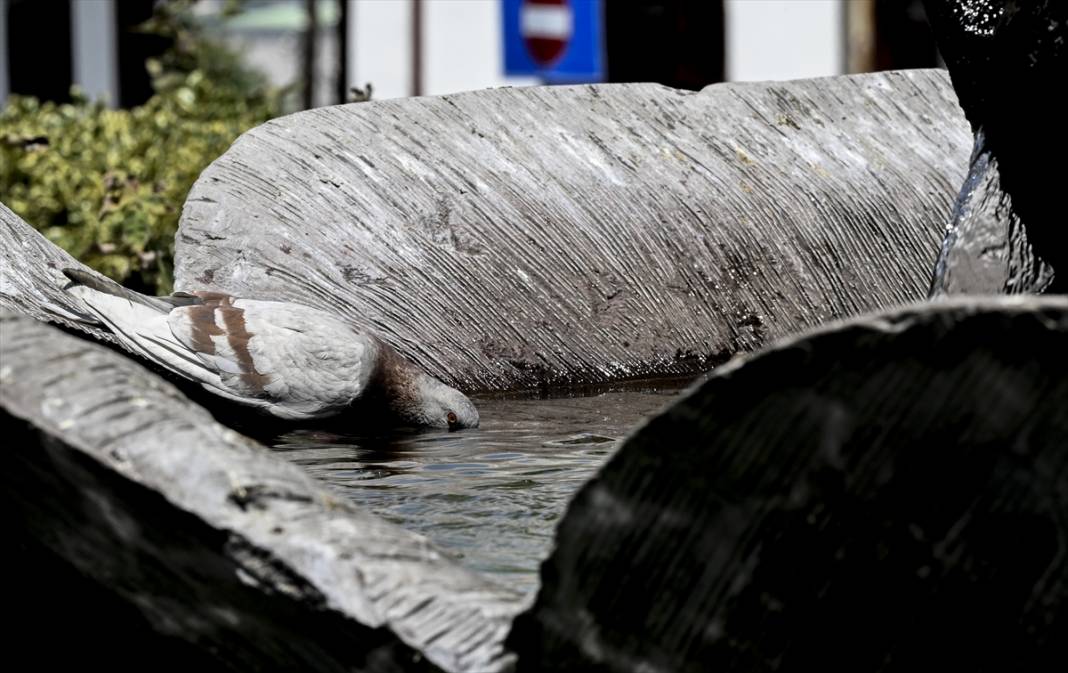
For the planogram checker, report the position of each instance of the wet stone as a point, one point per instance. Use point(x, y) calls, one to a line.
point(141, 528)
point(1008, 61)
point(884, 494)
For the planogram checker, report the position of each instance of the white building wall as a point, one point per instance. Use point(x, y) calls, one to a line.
point(94, 49)
point(380, 46)
point(461, 46)
point(784, 39)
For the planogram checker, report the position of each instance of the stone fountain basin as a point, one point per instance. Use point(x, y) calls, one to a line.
point(533, 240)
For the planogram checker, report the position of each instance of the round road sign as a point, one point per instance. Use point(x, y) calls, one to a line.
point(546, 27)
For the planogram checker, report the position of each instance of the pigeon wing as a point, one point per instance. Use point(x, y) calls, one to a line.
point(295, 361)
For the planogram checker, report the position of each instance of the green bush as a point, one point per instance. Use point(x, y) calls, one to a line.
point(108, 185)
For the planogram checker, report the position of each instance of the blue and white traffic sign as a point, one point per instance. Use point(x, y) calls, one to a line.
point(561, 41)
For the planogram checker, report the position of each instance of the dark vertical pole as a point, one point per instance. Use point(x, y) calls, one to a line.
point(309, 55)
point(134, 48)
point(343, 51)
point(417, 48)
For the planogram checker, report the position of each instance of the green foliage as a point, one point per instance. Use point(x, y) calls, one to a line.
point(108, 185)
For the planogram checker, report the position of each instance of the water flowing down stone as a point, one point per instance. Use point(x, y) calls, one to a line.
point(1008, 61)
point(986, 249)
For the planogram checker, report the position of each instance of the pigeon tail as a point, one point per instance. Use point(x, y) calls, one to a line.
point(139, 322)
point(107, 286)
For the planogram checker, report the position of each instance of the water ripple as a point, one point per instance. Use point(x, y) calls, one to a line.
point(491, 496)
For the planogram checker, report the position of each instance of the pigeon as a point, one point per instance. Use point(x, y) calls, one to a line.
point(296, 362)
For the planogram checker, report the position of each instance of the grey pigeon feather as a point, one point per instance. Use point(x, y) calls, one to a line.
point(293, 361)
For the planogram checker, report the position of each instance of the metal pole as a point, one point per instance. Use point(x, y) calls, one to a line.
point(4, 81)
point(417, 47)
point(342, 51)
point(309, 55)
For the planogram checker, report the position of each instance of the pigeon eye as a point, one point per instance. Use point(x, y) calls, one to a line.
point(451, 418)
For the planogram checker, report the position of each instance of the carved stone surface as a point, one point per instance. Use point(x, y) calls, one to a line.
point(31, 278)
point(163, 524)
point(887, 493)
point(515, 238)
point(883, 494)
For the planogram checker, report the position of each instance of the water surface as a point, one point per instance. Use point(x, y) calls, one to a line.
point(490, 496)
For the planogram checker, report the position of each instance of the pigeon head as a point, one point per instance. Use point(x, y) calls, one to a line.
point(440, 406)
point(419, 399)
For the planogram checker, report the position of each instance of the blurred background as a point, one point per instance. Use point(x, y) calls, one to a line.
point(109, 109)
point(419, 47)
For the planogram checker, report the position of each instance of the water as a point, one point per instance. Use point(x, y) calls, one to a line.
point(491, 497)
